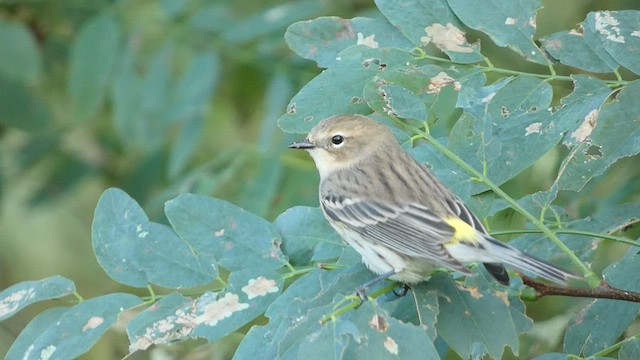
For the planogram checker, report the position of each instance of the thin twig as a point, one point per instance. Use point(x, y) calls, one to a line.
point(604, 291)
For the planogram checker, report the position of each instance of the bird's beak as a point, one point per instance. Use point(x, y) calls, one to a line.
point(302, 144)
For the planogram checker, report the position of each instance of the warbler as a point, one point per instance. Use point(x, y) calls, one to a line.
point(394, 212)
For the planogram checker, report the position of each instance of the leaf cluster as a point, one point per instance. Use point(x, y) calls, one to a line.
point(287, 285)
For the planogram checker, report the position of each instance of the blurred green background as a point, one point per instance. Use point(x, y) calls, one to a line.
point(184, 97)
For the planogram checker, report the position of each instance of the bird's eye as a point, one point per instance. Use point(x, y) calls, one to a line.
point(337, 139)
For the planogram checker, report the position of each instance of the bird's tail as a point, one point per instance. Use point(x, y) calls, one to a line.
point(504, 253)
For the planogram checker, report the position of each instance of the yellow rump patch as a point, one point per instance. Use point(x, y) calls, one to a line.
point(463, 231)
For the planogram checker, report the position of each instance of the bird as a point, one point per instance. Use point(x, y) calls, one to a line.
point(396, 214)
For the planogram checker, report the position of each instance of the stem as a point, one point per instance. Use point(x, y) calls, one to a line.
point(606, 351)
point(591, 277)
point(570, 232)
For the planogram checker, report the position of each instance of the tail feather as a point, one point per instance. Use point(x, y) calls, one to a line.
point(529, 263)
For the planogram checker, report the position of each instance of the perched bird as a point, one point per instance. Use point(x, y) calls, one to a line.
point(396, 214)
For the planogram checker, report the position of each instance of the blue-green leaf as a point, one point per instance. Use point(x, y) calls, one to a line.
point(509, 23)
point(431, 22)
point(92, 59)
point(307, 235)
point(618, 32)
point(21, 61)
point(21, 295)
point(322, 39)
point(136, 252)
point(234, 236)
point(69, 333)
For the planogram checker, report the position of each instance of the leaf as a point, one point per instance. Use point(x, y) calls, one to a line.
point(619, 34)
point(574, 48)
point(270, 20)
point(368, 332)
point(299, 309)
point(134, 251)
point(511, 127)
point(476, 315)
point(25, 63)
point(184, 146)
point(248, 295)
point(307, 236)
point(170, 319)
point(232, 235)
point(322, 39)
point(212, 315)
point(93, 56)
point(431, 21)
point(403, 103)
point(68, 333)
point(588, 334)
point(508, 23)
point(21, 295)
point(418, 307)
point(606, 137)
point(22, 108)
point(630, 350)
point(339, 89)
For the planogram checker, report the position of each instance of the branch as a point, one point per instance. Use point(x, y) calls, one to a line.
point(604, 291)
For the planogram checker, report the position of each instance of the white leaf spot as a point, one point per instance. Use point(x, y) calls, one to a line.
point(533, 129)
point(141, 233)
point(93, 323)
point(391, 346)
point(171, 328)
point(441, 80)
point(46, 353)
point(488, 98)
point(367, 41)
point(587, 126)
point(607, 25)
point(219, 233)
point(635, 33)
point(221, 309)
point(259, 287)
point(510, 21)
point(10, 303)
point(446, 37)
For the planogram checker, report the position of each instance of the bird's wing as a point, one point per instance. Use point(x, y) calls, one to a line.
point(410, 229)
point(461, 210)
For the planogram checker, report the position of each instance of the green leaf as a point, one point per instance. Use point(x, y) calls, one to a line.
point(339, 89)
point(431, 21)
point(212, 316)
point(234, 236)
point(604, 138)
point(22, 108)
point(572, 48)
point(588, 96)
point(299, 309)
point(322, 39)
point(21, 295)
point(368, 332)
point(630, 350)
point(248, 295)
point(618, 33)
point(403, 103)
point(419, 307)
point(511, 128)
point(170, 319)
point(588, 333)
point(136, 252)
point(270, 20)
point(68, 333)
point(24, 64)
point(93, 56)
point(307, 235)
point(476, 315)
point(184, 146)
point(509, 23)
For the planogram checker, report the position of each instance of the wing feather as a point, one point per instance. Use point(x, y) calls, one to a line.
point(410, 229)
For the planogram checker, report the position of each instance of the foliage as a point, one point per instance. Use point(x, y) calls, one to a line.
point(286, 285)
